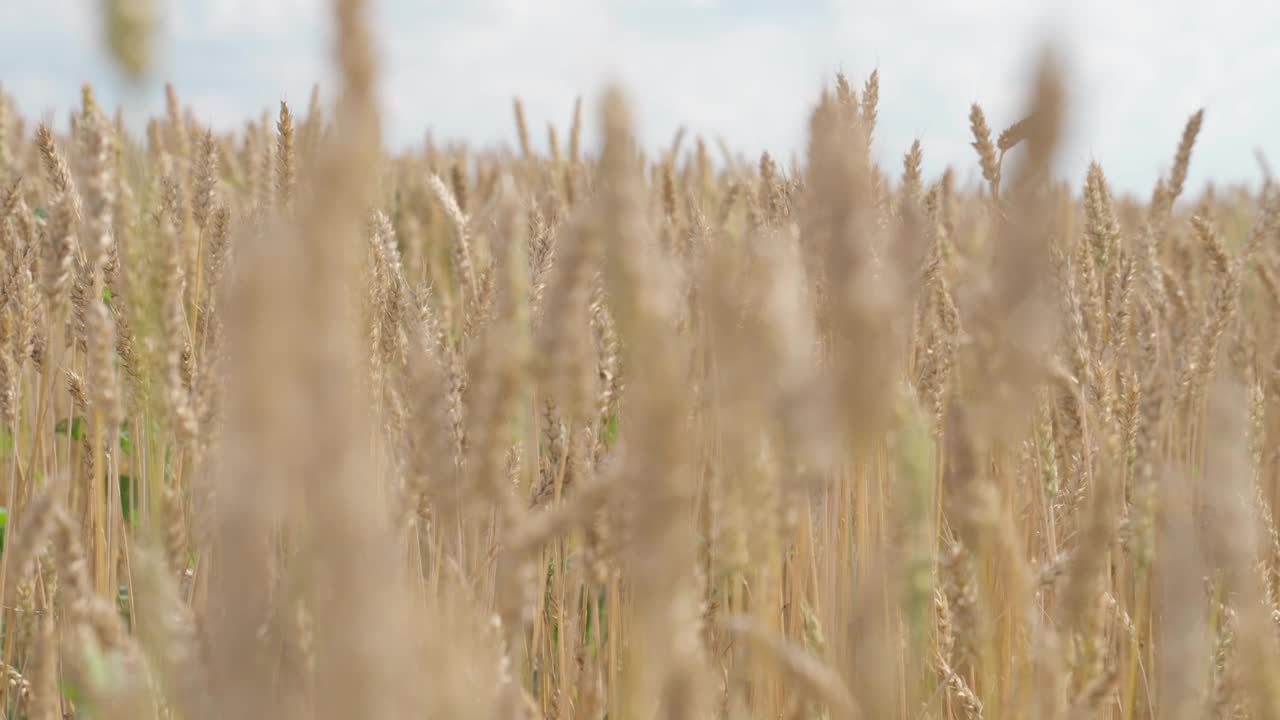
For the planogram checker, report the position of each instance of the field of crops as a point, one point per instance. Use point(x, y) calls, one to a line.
point(292, 426)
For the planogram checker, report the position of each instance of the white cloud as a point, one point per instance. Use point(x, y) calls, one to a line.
point(748, 70)
point(213, 18)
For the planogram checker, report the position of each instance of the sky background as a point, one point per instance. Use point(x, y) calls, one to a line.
point(745, 70)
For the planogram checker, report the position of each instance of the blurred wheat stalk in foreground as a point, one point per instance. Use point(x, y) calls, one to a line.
point(295, 428)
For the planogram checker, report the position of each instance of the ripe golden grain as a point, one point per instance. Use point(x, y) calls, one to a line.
point(469, 433)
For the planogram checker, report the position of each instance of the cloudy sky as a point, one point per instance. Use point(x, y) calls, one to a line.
point(745, 70)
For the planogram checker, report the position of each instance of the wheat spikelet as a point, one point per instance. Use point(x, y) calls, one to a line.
point(1182, 159)
point(463, 265)
point(986, 151)
point(6, 153)
point(285, 176)
point(575, 133)
point(130, 27)
point(912, 186)
point(522, 129)
point(870, 102)
point(553, 144)
point(203, 196)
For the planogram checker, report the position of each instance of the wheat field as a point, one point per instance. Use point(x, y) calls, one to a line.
point(293, 426)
